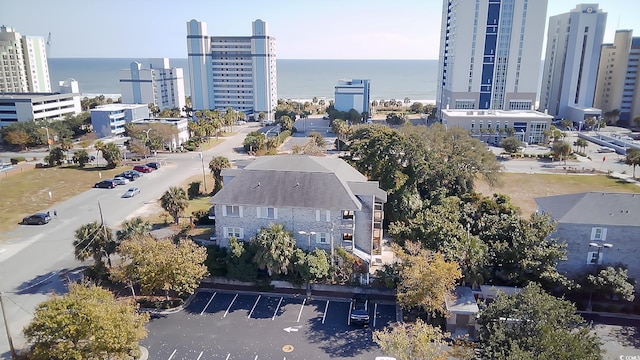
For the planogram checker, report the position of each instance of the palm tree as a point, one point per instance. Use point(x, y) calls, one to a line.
point(216, 165)
point(94, 240)
point(174, 201)
point(275, 247)
point(633, 159)
point(406, 102)
point(341, 128)
point(133, 228)
point(636, 121)
point(66, 144)
point(99, 146)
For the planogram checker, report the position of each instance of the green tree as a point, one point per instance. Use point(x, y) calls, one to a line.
point(510, 144)
point(312, 266)
point(396, 119)
point(112, 155)
point(81, 157)
point(636, 121)
point(286, 123)
point(216, 165)
point(133, 228)
point(174, 201)
point(561, 150)
point(632, 158)
point(18, 138)
point(56, 156)
point(95, 241)
point(613, 281)
point(535, 325)
point(86, 323)
point(580, 144)
point(239, 260)
point(274, 249)
point(425, 278)
point(417, 341)
point(341, 129)
point(318, 138)
point(254, 141)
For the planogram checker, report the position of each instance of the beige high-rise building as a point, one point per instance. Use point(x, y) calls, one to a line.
point(23, 63)
point(617, 89)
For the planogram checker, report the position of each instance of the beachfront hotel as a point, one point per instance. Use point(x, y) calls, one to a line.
point(160, 85)
point(352, 94)
point(618, 87)
point(232, 71)
point(490, 54)
point(571, 63)
point(24, 66)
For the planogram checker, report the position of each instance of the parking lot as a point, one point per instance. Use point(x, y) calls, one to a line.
point(231, 325)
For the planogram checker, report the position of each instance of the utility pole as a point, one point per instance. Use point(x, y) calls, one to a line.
point(14, 355)
point(204, 177)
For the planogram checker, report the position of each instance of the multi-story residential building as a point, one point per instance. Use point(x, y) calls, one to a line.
point(325, 198)
point(352, 94)
point(491, 126)
point(232, 71)
point(23, 66)
point(160, 85)
point(600, 229)
point(571, 63)
point(181, 129)
point(489, 54)
point(109, 120)
point(617, 89)
point(18, 107)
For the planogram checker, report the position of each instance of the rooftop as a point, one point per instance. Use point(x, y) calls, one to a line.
point(594, 208)
point(498, 113)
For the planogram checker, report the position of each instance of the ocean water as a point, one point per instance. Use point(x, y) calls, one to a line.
point(297, 79)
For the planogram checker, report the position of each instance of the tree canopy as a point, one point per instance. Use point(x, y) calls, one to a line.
point(274, 249)
point(417, 341)
point(174, 201)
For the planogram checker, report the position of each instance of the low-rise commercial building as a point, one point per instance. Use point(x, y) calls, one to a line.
point(181, 125)
point(109, 120)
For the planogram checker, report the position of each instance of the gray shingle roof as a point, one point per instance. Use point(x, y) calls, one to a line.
point(594, 208)
point(297, 181)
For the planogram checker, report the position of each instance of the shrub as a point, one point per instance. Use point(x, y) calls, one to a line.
point(17, 159)
point(201, 217)
point(194, 190)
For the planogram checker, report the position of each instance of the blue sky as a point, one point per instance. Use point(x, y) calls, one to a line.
point(304, 29)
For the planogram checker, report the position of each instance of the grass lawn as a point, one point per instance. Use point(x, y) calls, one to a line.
point(523, 188)
point(207, 145)
point(27, 190)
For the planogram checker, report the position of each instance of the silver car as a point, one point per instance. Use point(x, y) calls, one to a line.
point(131, 192)
point(118, 180)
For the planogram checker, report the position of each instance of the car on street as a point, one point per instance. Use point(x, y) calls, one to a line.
point(359, 310)
point(240, 122)
point(120, 180)
point(105, 184)
point(143, 168)
point(36, 219)
point(154, 165)
point(131, 192)
point(605, 149)
point(130, 174)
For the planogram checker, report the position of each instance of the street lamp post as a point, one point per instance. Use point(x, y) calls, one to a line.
point(204, 177)
point(146, 143)
point(48, 143)
point(599, 247)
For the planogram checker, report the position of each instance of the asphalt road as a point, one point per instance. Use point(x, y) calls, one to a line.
point(228, 325)
point(36, 260)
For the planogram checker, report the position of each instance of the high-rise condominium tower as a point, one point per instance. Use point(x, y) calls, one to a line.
point(232, 71)
point(571, 63)
point(160, 85)
point(618, 88)
point(490, 54)
point(23, 63)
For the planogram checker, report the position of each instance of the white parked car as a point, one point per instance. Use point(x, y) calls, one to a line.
point(131, 192)
point(605, 149)
point(118, 180)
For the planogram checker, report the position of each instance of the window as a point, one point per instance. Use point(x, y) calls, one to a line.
point(232, 211)
point(267, 213)
point(598, 233)
point(347, 214)
point(323, 215)
point(592, 256)
point(236, 232)
point(322, 238)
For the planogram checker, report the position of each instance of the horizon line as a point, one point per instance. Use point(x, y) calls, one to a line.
point(151, 57)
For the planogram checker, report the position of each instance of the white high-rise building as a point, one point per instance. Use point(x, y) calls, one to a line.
point(23, 63)
point(490, 54)
point(352, 94)
point(571, 63)
point(160, 85)
point(232, 71)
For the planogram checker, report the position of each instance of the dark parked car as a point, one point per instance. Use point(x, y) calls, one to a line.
point(105, 184)
point(154, 165)
point(359, 310)
point(143, 168)
point(130, 174)
point(37, 219)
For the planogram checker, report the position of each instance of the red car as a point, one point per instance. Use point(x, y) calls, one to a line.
point(143, 168)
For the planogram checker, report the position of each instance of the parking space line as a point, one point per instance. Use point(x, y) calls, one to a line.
point(277, 307)
point(349, 315)
point(324, 315)
point(209, 302)
point(254, 306)
point(301, 307)
point(228, 355)
point(199, 356)
point(375, 313)
point(256, 358)
point(173, 353)
point(229, 308)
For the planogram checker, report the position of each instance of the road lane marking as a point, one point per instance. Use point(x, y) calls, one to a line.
point(206, 306)
point(228, 308)
point(173, 353)
point(199, 356)
point(287, 348)
point(375, 313)
point(277, 307)
point(301, 307)
point(324, 316)
point(254, 307)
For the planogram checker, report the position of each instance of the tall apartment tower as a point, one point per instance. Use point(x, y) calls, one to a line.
point(571, 63)
point(24, 66)
point(160, 85)
point(490, 54)
point(232, 71)
point(617, 88)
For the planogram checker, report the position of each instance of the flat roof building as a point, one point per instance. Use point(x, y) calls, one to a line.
point(109, 120)
point(160, 85)
point(352, 94)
